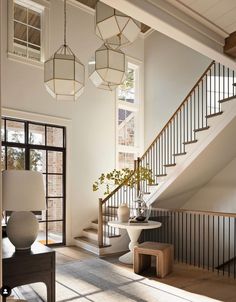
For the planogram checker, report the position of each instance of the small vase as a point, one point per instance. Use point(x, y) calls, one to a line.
point(123, 213)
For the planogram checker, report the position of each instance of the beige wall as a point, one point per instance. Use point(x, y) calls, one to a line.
point(91, 130)
point(219, 194)
point(171, 70)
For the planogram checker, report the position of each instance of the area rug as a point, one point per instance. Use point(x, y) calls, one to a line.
point(96, 280)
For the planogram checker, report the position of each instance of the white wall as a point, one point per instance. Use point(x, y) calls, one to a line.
point(171, 70)
point(91, 145)
point(219, 194)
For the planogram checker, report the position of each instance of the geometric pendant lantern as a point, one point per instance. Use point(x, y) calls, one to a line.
point(64, 74)
point(109, 68)
point(114, 27)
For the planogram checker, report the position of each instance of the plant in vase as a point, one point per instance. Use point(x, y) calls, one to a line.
point(128, 177)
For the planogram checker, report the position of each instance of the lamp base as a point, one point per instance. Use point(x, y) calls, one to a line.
point(22, 229)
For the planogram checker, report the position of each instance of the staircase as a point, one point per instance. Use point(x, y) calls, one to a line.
point(207, 110)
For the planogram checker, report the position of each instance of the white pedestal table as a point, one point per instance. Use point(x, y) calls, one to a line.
point(134, 230)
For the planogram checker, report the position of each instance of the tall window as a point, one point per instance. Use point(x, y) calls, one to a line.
point(25, 29)
point(128, 119)
point(40, 147)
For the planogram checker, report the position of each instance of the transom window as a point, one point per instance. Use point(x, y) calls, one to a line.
point(40, 147)
point(27, 30)
point(128, 119)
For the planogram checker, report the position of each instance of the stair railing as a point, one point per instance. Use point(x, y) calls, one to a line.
point(201, 103)
point(204, 239)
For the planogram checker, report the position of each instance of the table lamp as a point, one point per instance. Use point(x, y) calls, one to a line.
point(23, 192)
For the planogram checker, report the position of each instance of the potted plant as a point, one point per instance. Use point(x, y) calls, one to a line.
point(131, 178)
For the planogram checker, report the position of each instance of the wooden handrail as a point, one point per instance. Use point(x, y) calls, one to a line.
point(180, 106)
point(100, 224)
point(197, 212)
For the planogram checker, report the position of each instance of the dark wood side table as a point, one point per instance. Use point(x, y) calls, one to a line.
point(25, 267)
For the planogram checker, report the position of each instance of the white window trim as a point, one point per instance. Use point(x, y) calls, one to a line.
point(40, 6)
point(139, 97)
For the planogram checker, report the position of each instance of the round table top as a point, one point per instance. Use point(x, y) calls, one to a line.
point(133, 225)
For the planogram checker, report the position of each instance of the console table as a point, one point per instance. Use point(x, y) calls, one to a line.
point(25, 267)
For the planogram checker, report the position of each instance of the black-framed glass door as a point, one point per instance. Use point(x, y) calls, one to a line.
point(28, 145)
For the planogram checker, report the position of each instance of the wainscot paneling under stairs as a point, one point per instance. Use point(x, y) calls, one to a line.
point(184, 156)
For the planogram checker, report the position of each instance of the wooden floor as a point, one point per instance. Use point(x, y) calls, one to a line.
point(184, 277)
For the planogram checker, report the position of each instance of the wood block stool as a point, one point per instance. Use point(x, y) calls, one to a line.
point(164, 253)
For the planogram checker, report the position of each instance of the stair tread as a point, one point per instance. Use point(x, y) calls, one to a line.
point(214, 114)
point(161, 175)
point(201, 129)
point(169, 165)
point(90, 241)
point(179, 154)
point(155, 184)
point(190, 142)
point(95, 231)
point(228, 99)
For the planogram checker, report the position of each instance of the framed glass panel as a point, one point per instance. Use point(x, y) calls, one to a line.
point(126, 127)
point(55, 186)
point(126, 160)
point(20, 13)
point(3, 157)
point(126, 91)
point(15, 158)
point(55, 162)
point(55, 231)
point(20, 31)
point(36, 134)
point(55, 208)
point(15, 131)
point(34, 19)
point(55, 136)
point(42, 233)
point(18, 153)
point(38, 160)
point(2, 130)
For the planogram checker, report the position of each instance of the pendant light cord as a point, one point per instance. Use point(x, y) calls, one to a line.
point(64, 22)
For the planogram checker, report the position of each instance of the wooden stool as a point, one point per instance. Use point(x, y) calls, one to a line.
point(164, 257)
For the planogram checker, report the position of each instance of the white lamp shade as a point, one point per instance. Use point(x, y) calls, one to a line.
point(23, 190)
point(114, 27)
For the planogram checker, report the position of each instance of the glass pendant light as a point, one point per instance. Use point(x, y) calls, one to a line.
point(64, 74)
point(109, 67)
point(115, 28)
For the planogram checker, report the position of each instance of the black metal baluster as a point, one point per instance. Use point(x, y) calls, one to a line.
point(223, 245)
point(213, 244)
point(229, 250)
point(203, 243)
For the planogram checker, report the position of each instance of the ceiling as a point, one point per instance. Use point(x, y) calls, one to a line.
point(92, 3)
point(220, 13)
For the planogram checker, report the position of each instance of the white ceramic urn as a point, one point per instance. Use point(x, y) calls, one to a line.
point(123, 213)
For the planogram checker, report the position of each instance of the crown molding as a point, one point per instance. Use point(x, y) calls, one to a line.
point(82, 7)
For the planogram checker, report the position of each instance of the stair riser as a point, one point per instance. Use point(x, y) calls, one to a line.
point(87, 247)
point(106, 229)
point(90, 235)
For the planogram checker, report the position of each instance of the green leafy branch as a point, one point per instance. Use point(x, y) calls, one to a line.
point(129, 177)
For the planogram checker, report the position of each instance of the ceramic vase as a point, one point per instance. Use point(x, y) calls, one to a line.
point(123, 213)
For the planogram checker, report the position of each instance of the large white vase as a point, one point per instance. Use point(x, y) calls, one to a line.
point(123, 213)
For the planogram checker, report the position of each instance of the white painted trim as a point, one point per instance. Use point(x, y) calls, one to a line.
point(199, 17)
point(137, 149)
point(35, 117)
point(53, 120)
point(147, 33)
point(202, 39)
point(21, 59)
point(82, 7)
